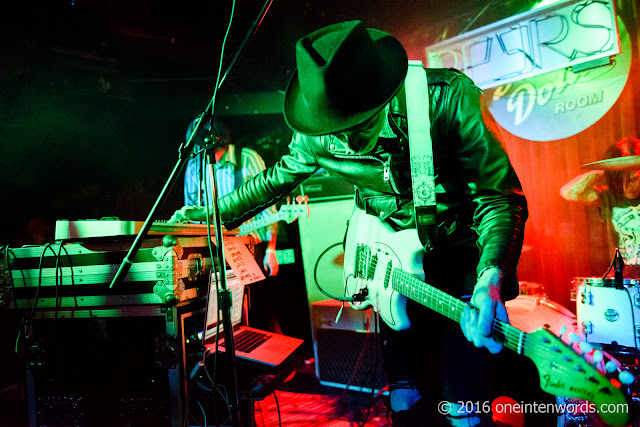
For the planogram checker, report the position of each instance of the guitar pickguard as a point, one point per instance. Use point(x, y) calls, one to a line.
point(373, 250)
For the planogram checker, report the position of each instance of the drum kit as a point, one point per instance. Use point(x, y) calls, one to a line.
point(607, 319)
point(606, 323)
point(608, 310)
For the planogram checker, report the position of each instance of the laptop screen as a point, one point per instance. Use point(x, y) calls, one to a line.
point(213, 313)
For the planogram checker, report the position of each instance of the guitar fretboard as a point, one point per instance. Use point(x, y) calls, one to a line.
point(433, 298)
point(259, 223)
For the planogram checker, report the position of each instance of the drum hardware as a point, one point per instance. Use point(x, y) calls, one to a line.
point(575, 285)
point(636, 300)
point(587, 328)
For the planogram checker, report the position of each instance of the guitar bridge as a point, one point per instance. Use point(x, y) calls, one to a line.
point(363, 255)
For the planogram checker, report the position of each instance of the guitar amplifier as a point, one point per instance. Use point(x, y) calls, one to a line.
point(348, 355)
point(323, 187)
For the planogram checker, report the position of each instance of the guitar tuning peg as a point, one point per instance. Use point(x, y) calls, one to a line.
point(626, 378)
point(563, 329)
point(597, 356)
point(610, 367)
point(574, 337)
point(585, 347)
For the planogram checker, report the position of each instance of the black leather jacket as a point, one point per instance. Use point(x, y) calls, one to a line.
point(479, 197)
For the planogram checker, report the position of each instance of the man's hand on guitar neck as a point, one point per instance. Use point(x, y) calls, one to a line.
point(477, 323)
point(188, 214)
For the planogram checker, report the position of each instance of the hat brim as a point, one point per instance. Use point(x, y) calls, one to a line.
point(301, 118)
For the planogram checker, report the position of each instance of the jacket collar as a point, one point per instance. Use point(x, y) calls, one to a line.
point(229, 156)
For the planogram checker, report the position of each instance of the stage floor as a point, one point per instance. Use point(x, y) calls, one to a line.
point(304, 402)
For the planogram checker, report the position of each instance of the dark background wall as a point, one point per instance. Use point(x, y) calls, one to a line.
point(95, 95)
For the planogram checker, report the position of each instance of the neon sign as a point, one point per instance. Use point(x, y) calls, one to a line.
point(564, 34)
point(561, 103)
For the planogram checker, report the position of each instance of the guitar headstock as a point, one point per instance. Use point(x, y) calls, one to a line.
point(291, 211)
point(565, 372)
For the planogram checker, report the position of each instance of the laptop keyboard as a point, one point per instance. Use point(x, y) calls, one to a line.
point(247, 341)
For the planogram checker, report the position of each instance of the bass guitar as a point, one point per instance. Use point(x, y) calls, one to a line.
point(287, 213)
point(383, 267)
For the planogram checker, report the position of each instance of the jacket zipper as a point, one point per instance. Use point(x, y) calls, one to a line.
point(388, 177)
point(386, 168)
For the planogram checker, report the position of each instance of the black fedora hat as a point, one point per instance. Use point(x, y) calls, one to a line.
point(345, 74)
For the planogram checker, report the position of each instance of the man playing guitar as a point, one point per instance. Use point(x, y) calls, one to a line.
point(346, 106)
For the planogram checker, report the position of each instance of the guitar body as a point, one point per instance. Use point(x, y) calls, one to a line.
point(394, 249)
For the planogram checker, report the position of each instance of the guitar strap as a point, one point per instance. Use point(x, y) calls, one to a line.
point(421, 154)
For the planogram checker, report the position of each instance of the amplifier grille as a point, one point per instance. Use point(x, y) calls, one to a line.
point(349, 358)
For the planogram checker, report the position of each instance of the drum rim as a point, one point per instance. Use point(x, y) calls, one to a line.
point(606, 282)
point(614, 349)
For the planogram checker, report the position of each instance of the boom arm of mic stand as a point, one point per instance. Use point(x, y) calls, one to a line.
point(128, 259)
point(184, 153)
point(254, 28)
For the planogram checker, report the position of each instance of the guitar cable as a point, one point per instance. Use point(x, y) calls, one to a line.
point(358, 296)
point(376, 355)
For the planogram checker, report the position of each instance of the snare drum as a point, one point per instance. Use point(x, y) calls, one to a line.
point(606, 313)
point(529, 312)
point(530, 288)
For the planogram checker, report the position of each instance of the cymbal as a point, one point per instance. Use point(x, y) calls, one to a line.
point(624, 163)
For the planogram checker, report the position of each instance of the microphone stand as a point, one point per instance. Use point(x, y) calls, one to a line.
point(184, 152)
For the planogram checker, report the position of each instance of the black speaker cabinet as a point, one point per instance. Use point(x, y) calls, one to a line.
point(348, 355)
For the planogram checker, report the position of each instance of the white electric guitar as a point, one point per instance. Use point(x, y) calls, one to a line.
point(384, 267)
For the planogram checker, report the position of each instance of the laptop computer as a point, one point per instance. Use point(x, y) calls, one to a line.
point(252, 345)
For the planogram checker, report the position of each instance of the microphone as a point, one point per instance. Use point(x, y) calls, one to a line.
point(210, 135)
point(618, 268)
point(212, 141)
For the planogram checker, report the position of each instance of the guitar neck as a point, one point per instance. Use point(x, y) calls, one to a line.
point(259, 223)
point(451, 307)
